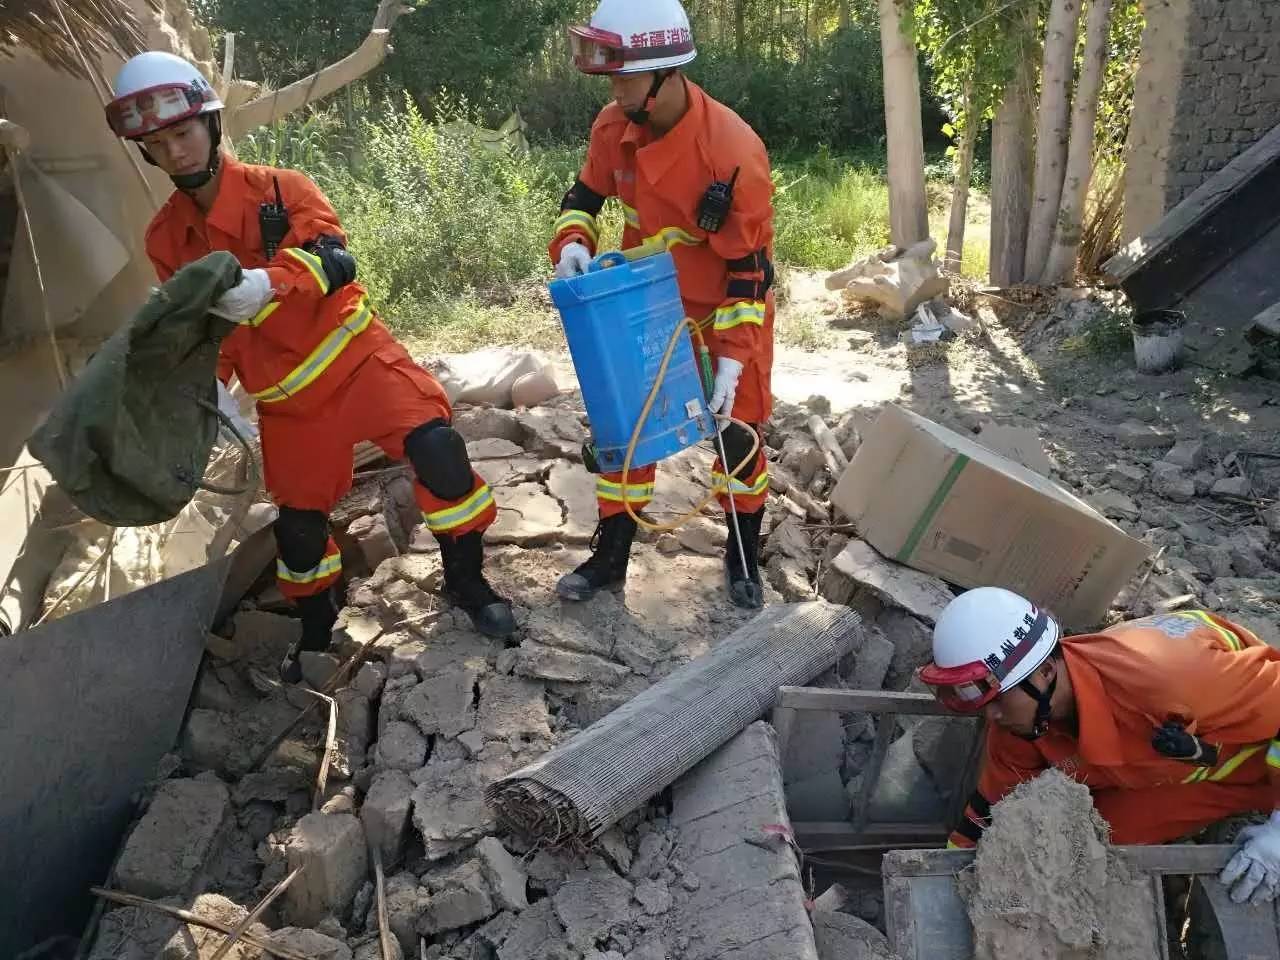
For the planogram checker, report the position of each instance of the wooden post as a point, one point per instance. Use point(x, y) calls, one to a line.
point(908, 213)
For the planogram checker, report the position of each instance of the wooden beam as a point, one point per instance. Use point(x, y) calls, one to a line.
point(862, 701)
point(816, 835)
point(886, 727)
point(1179, 859)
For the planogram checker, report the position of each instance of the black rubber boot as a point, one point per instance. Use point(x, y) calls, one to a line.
point(607, 565)
point(745, 588)
point(467, 589)
point(318, 614)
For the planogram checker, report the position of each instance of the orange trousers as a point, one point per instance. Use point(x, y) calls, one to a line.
point(753, 403)
point(1164, 814)
point(308, 459)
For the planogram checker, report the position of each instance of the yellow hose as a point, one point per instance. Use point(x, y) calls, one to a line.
point(635, 440)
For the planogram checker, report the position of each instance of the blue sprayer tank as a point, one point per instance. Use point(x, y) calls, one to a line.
point(618, 318)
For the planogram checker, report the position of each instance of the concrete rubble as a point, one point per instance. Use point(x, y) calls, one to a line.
point(437, 713)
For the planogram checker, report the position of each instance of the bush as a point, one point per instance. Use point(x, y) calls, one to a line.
point(432, 216)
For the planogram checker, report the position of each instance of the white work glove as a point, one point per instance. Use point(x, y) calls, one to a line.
point(574, 259)
point(243, 301)
point(231, 409)
point(1253, 874)
point(725, 389)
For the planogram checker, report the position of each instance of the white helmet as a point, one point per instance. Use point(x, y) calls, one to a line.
point(986, 642)
point(634, 36)
point(155, 90)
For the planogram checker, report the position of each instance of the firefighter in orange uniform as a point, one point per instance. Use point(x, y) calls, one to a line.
point(1173, 721)
point(310, 349)
point(694, 178)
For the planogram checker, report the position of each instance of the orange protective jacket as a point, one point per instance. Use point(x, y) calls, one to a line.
point(661, 183)
point(306, 341)
point(1214, 676)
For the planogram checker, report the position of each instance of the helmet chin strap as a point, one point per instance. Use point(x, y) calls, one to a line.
point(641, 117)
point(194, 181)
point(1044, 704)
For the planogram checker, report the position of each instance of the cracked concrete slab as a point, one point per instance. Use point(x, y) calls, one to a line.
point(513, 707)
point(575, 488)
point(527, 516)
point(747, 901)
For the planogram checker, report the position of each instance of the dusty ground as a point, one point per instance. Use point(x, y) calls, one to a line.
point(1183, 461)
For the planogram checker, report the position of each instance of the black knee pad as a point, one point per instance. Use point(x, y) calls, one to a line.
point(737, 444)
point(301, 536)
point(439, 457)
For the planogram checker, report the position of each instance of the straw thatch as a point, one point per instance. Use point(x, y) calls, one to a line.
point(99, 25)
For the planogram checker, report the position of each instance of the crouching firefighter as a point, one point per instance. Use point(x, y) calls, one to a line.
point(309, 348)
point(693, 178)
point(1171, 722)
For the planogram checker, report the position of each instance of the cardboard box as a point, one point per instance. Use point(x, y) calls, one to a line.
point(942, 503)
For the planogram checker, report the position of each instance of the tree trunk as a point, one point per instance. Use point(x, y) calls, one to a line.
point(846, 18)
point(908, 215)
point(1052, 131)
point(1012, 157)
point(964, 173)
point(740, 29)
point(1084, 117)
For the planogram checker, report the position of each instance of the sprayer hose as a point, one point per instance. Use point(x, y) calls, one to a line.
point(644, 415)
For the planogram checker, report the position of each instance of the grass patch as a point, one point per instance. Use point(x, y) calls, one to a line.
point(1105, 334)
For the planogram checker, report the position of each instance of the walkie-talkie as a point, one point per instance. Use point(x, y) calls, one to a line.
point(273, 221)
point(1173, 741)
point(716, 204)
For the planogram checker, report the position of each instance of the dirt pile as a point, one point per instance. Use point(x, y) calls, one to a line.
point(1046, 885)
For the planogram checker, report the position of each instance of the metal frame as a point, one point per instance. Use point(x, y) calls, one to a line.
point(859, 830)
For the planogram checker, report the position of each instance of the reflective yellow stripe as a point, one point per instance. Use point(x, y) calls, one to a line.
point(1232, 641)
point(312, 263)
point(321, 357)
point(760, 486)
point(453, 517)
point(1273, 754)
point(578, 220)
point(736, 314)
point(1232, 765)
point(636, 492)
point(265, 312)
point(631, 216)
point(326, 568)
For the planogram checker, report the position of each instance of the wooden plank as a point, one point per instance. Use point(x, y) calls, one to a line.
point(1188, 259)
point(1196, 207)
point(926, 919)
point(968, 779)
point(1173, 859)
point(886, 727)
point(815, 835)
point(784, 721)
point(1162, 923)
point(862, 701)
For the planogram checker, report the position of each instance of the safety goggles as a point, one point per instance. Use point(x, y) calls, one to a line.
point(602, 51)
point(963, 689)
point(139, 114)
